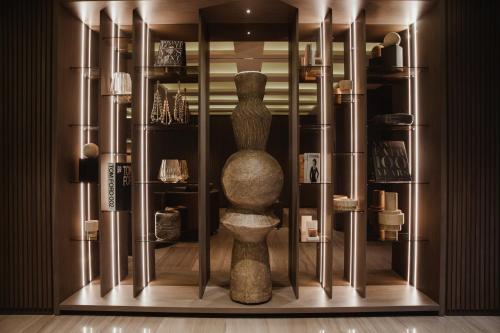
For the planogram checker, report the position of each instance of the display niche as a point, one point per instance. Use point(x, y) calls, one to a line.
point(252, 135)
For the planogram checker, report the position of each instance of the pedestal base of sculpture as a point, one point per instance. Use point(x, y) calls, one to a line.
point(250, 273)
point(250, 269)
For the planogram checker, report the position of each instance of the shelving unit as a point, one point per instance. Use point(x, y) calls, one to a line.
point(350, 158)
point(319, 276)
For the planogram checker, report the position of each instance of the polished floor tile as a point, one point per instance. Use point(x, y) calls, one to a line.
point(123, 324)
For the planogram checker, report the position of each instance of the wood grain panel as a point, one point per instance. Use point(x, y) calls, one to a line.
point(25, 174)
point(358, 227)
point(203, 154)
point(294, 139)
point(473, 232)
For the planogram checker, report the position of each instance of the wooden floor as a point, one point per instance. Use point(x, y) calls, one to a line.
point(103, 324)
point(178, 264)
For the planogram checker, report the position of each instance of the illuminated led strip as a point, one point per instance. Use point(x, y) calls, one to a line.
point(147, 158)
point(417, 157)
point(89, 215)
point(354, 229)
point(143, 173)
point(82, 130)
point(410, 162)
point(351, 111)
point(113, 159)
point(116, 53)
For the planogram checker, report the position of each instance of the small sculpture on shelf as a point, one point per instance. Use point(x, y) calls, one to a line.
point(343, 203)
point(184, 171)
point(90, 150)
point(389, 54)
point(170, 171)
point(160, 112)
point(173, 171)
point(377, 205)
point(168, 225)
point(343, 92)
point(91, 228)
point(390, 218)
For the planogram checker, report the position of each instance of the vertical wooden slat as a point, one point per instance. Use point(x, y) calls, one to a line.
point(25, 258)
point(360, 145)
point(293, 241)
point(203, 154)
point(472, 264)
point(325, 119)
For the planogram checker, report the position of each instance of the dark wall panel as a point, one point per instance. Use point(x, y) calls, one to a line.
point(473, 106)
point(25, 174)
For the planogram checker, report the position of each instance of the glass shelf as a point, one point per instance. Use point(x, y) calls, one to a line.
point(395, 128)
point(377, 74)
point(348, 154)
point(402, 238)
point(167, 128)
point(171, 74)
point(261, 58)
point(95, 241)
point(178, 185)
point(345, 211)
point(313, 67)
point(84, 127)
point(76, 181)
point(322, 239)
point(120, 44)
point(156, 241)
point(91, 73)
point(317, 183)
point(116, 95)
point(346, 99)
point(314, 127)
point(117, 37)
point(409, 182)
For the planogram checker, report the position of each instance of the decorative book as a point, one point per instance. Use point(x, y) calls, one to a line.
point(119, 186)
point(308, 229)
point(390, 162)
point(312, 167)
point(301, 168)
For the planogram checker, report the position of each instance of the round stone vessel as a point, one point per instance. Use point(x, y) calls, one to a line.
point(252, 179)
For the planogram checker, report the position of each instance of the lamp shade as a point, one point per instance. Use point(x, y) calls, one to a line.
point(121, 84)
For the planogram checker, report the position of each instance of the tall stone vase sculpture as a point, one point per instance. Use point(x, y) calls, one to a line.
point(252, 181)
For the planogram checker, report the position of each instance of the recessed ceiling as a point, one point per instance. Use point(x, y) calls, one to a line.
point(395, 12)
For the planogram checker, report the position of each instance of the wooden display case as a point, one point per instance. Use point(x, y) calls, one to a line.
point(338, 273)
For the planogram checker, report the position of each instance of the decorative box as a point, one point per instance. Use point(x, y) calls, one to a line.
point(393, 56)
point(171, 53)
point(88, 170)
